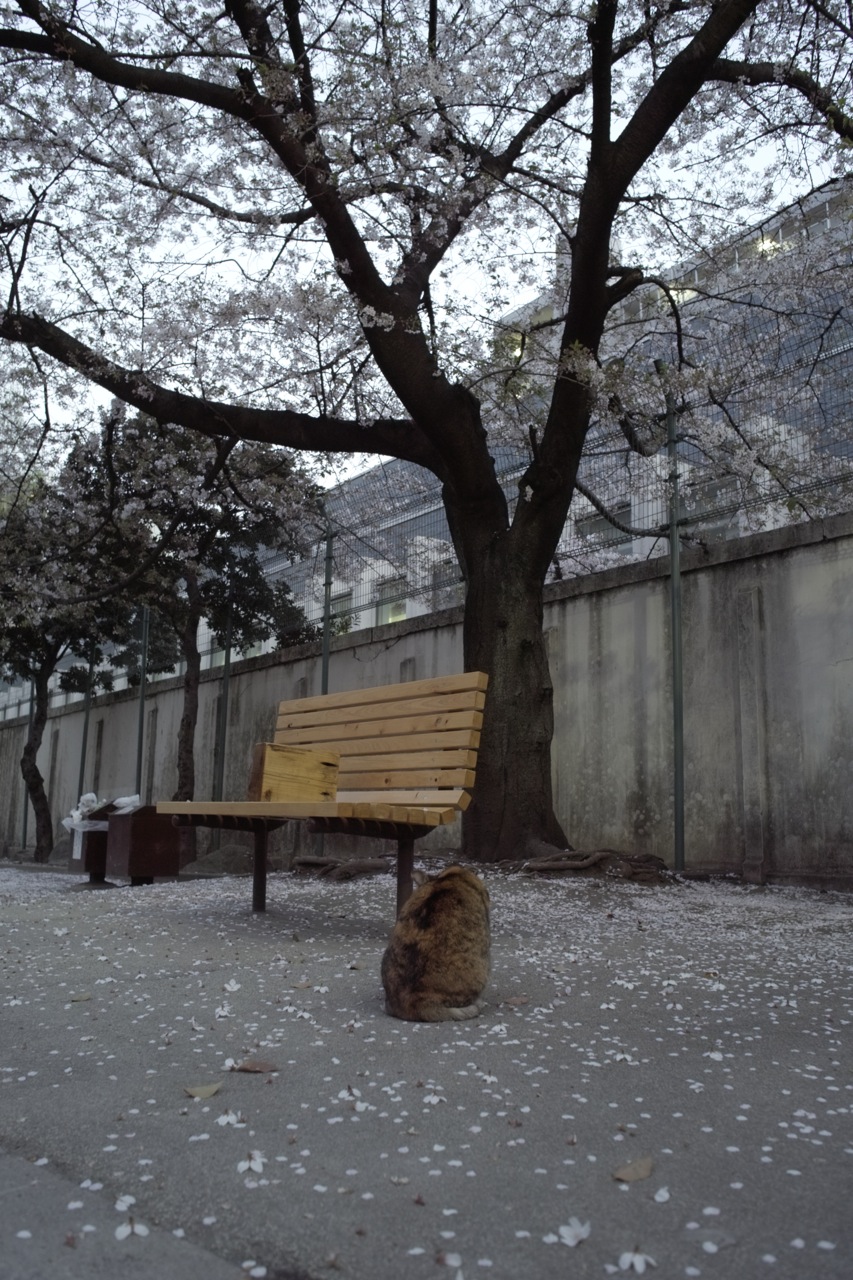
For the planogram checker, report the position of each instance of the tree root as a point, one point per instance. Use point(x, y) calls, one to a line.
point(332, 868)
point(644, 868)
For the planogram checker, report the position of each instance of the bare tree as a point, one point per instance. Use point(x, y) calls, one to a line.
point(260, 222)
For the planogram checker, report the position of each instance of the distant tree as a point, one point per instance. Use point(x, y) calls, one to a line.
point(209, 519)
point(134, 519)
point(48, 560)
point(261, 222)
point(162, 653)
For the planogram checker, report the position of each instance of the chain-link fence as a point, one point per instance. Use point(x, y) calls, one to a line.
point(778, 452)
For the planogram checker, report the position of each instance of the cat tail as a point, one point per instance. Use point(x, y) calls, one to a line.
point(414, 1010)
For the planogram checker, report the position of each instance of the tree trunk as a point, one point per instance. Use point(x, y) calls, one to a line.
point(512, 810)
point(505, 559)
point(189, 718)
point(33, 779)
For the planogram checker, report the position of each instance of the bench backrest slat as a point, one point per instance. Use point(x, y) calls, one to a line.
point(292, 716)
point(470, 681)
point(405, 740)
point(358, 762)
point(389, 726)
point(382, 779)
point(369, 745)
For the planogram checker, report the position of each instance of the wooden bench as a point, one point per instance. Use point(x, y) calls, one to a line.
point(408, 753)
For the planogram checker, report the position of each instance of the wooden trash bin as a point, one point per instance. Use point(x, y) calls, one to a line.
point(142, 844)
point(90, 855)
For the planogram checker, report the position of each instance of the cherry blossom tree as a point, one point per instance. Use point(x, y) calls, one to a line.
point(297, 223)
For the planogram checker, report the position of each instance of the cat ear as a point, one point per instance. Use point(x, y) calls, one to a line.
point(419, 877)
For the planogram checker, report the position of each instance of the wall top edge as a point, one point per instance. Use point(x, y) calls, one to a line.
point(753, 546)
point(774, 541)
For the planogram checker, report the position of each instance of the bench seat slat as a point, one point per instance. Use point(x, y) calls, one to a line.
point(404, 815)
point(250, 811)
point(440, 806)
point(258, 808)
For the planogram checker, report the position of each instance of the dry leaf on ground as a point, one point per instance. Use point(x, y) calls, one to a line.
point(257, 1065)
point(636, 1170)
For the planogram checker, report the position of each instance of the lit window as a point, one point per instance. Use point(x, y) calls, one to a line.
point(391, 604)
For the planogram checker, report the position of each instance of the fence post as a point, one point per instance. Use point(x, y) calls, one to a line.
point(143, 675)
point(87, 707)
point(675, 626)
point(327, 613)
point(26, 792)
point(222, 725)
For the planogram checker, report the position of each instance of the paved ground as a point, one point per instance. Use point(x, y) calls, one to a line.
point(670, 1066)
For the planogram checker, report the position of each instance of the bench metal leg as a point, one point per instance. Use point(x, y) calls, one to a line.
point(259, 872)
point(405, 862)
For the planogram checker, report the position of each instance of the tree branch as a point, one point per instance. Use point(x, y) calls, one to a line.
point(262, 113)
point(397, 436)
point(428, 250)
point(656, 531)
point(60, 44)
point(672, 92)
point(600, 34)
point(778, 75)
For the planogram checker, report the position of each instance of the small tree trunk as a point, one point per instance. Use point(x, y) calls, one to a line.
point(513, 801)
point(33, 779)
point(189, 718)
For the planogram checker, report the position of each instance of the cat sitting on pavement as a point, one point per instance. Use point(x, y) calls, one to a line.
point(436, 964)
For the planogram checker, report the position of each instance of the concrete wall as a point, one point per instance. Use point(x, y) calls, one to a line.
point(768, 719)
point(768, 707)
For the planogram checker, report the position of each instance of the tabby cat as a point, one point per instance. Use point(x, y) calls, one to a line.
point(437, 961)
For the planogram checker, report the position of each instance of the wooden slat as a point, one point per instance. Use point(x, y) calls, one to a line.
point(395, 720)
point(347, 747)
point(396, 693)
point(380, 810)
point(367, 809)
point(259, 808)
point(457, 759)
point(413, 817)
point(382, 780)
point(294, 716)
point(395, 806)
point(403, 726)
point(459, 799)
point(431, 817)
point(292, 773)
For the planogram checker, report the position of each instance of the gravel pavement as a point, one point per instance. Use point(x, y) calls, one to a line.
point(661, 1084)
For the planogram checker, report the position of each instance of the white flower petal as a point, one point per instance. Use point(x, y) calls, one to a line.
point(574, 1231)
